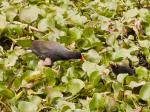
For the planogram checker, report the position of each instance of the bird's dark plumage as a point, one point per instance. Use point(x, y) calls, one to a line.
point(53, 50)
point(117, 69)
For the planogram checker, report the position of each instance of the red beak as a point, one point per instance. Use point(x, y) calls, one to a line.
point(82, 58)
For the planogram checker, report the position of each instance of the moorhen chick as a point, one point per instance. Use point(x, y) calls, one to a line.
point(117, 69)
point(51, 51)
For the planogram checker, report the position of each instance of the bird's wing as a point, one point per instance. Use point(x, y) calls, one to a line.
point(48, 49)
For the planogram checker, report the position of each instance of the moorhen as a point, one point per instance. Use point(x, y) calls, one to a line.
point(51, 51)
point(117, 69)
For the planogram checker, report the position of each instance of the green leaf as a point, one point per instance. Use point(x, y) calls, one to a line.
point(147, 30)
point(141, 72)
point(94, 78)
point(130, 79)
point(3, 23)
point(65, 106)
point(143, 12)
point(29, 14)
point(90, 67)
point(13, 31)
point(121, 77)
point(53, 94)
point(111, 5)
point(35, 100)
point(75, 85)
point(76, 18)
point(7, 93)
point(97, 102)
point(49, 73)
point(75, 33)
point(93, 56)
point(25, 106)
point(144, 43)
point(134, 84)
point(43, 24)
point(112, 38)
point(24, 43)
point(144, 92)
point(131, 13)
point(11, 13)
point(11, 60)
point(121, 54)
point(88, 32)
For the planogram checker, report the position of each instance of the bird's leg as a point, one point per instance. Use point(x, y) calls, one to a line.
point(46, 62)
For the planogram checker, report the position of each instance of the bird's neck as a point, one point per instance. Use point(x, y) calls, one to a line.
point(72, 55)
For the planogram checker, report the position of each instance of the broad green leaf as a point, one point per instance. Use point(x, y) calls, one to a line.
point(7, 93)
point(97, 102)
point(75, 33)
point(131, 13)
point(43, 24)
point(75, 85)
point(53, 94)
point(94, 78)
point(119, 26)
point(1, 75)
point(11, 13)
point(24, 43)
point(144, 43)
point(90, 67)
point(125, 53)
point(147, 18)
point(93, 56)
point(14, 109)
point(3, 23)
point(121, 77)
point(111, 5)
point(141, 72)
point(144, 92)
point(50, 76)
point(88, 32)
point(25, 106)
point(147, 30)
point(117, 87)
point(35, 100)
point(112, 38)
point(105, 26)
point(29, 14)
point(121, 54)
point(60, 19)
point(143, 12)
point(130, 79)
point(13, 31)
point(73, 72)
point(64, 106)
point(77, 19)
point(134, 84)
point(17, 82)
point(11, 60)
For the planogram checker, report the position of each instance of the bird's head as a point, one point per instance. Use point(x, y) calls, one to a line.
point(79, 56)
point(112, 65)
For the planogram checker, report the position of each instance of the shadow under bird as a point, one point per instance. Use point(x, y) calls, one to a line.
point(51, 51)
point(117, 69)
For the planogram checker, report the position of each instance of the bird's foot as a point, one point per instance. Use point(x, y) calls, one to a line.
point(46, 62)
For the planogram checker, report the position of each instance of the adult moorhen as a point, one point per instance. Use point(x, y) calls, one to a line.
point(117, 69)
point(51, 51)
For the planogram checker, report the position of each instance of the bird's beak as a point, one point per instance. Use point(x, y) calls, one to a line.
point(82, 58)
